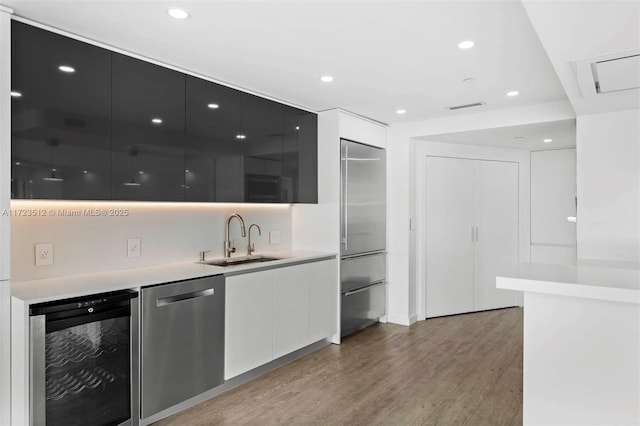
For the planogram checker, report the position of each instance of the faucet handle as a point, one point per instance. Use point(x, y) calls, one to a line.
point(203, 254)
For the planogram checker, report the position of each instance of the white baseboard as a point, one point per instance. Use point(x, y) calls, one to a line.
point(402, 320)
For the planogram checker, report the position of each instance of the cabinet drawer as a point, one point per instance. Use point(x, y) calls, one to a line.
point(357, 272)
point(363, 307)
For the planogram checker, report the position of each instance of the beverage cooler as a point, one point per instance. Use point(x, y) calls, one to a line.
point(83, 361)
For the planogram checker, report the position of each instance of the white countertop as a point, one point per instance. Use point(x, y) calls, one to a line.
point(591, 282)
point(45, 290)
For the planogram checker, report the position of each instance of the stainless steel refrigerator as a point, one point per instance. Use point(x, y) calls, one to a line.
point(363, 235)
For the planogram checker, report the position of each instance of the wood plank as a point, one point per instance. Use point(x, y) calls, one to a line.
point(463, 369)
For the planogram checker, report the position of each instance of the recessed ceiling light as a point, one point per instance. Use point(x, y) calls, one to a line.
point(547, 140)
point(326, 79)
point(241, 136)
point(513, 93)
point(66, 68)
point(15, 94)
point(467, 44)
point(156, 120)
point(401, 111)
point(178, 13)
point(213, 106)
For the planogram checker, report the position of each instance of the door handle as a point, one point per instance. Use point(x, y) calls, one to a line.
point(349, 293)
point(345, 193)
point(163, 301)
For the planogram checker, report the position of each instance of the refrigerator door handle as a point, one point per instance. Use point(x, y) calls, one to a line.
point(345, 195)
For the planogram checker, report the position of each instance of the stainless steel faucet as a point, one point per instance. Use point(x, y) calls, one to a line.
point(227, 242)
point(250, 247)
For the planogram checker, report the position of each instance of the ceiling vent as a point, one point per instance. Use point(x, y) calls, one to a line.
point(617, 74)
point(457, 107)
point(608, 74)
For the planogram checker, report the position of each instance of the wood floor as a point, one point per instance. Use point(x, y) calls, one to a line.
point(459, 370)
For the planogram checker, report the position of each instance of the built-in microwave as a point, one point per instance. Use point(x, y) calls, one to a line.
point(262, 188)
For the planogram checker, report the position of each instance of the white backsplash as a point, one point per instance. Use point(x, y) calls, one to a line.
point(169, 232)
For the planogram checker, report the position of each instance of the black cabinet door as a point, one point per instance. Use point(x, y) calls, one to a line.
point(212, 151)
point(147, 131)
point(261, 145)
point(300, 168)
point(60, 117)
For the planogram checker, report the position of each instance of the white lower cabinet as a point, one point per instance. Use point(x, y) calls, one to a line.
point(269, 314)
point(323, 299)
point(290, 309)
point(248, 329)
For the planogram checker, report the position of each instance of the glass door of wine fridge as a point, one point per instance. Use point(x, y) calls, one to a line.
point(84, 361)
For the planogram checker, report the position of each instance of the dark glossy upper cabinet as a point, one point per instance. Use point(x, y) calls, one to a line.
point(61, 116)
point(261, 144)
point(212, 150)
point(92, 124)
point(148, 103)
point(300, 169)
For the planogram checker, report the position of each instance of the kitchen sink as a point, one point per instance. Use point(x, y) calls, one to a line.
point(234, 261)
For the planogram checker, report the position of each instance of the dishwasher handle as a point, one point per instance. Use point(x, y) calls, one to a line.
point(164, 301)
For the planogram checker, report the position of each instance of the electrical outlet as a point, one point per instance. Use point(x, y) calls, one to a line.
point(133, 247)
point(44, 254)
point(274, 237)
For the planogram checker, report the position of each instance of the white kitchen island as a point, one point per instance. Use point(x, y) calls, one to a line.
point(581, 344)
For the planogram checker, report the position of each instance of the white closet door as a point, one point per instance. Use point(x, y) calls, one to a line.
point(449, 247)
point(496, 248)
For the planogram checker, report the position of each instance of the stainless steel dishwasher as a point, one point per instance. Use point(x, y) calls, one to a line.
point(182, 341)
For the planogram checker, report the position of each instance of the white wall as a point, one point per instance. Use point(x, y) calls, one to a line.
point(401, 189)
point(169, 232)
point(608, 178)
point(553, 192)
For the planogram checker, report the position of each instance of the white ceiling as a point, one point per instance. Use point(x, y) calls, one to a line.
point(579, 31)
point(384, 55)
point(530, 136)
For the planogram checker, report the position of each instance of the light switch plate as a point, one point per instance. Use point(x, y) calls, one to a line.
point(133, 247)
point(274, 237)
point(44, 254)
